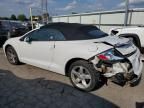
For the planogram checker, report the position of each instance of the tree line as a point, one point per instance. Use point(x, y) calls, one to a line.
point(20, 17)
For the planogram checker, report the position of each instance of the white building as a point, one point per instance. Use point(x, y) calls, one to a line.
point(105, 19)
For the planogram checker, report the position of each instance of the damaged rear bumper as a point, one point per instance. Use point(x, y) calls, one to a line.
point(129, 69)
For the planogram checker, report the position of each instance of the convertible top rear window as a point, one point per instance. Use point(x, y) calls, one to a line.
point(74, 31)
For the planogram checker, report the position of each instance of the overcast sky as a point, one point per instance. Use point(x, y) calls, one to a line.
point(59, 7)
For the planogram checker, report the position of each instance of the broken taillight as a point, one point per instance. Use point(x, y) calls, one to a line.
point(109, 55)
point(102, 57)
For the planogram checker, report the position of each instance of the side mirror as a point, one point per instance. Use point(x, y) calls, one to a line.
point(28, 39)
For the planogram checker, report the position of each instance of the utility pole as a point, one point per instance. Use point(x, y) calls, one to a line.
point(126, 12)
point(31, 18)
point(44, 10)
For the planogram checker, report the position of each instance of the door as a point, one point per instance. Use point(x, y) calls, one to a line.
point(37, 48)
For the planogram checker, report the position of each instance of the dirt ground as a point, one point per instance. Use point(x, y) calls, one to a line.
point(25, 86)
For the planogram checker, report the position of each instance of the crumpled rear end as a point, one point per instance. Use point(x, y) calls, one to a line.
point(126, 68)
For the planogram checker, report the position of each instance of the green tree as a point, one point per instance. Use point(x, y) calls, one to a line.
point(13, 17)
point(22, 17)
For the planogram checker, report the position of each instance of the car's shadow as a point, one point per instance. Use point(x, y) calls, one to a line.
point(16, 92)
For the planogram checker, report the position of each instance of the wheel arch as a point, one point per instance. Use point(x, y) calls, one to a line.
point(68, 64)
point(8, 45)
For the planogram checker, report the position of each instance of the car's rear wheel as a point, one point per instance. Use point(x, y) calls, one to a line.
point(12, 55)
point(83, 76)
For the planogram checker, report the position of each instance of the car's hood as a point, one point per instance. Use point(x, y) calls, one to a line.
point(12, 40)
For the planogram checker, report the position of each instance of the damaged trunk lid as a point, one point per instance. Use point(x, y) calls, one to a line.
point(127, 48)
point(123, 45)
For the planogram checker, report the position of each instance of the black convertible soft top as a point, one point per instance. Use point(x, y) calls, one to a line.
point(72, 31)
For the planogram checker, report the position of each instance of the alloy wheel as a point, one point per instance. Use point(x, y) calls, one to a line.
point(81, 77)
point(11, 55)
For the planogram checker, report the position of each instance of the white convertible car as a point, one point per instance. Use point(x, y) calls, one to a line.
point(82, 52)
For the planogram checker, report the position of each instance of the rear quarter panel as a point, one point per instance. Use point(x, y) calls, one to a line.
point(65, 51)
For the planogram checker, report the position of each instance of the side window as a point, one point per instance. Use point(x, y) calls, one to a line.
point(27, 35)
point(41, 35)
point(46, 35)
point(57, 35)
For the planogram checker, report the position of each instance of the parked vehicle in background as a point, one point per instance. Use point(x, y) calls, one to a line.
point(27, 24)
point(38, 25)
point(135, 33)
point(10, 29)
point(3, 35)
point(17, 29)
point(14, 28)
point(83, 52)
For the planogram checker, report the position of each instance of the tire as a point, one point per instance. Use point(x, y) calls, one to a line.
point(89, 74)
point(12, 56)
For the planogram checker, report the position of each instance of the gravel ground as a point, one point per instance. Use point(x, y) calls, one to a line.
point(25, 86)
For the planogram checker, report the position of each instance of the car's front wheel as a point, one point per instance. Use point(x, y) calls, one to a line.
point(83, 76)
point(12, 55)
